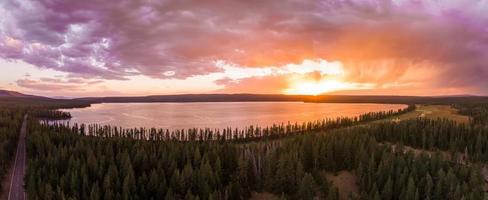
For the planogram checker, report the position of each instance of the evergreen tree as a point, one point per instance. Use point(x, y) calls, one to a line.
point(387, 192)
point(306, 190)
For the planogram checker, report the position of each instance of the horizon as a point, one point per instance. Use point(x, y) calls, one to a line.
point(253, 94)
point(139, 48)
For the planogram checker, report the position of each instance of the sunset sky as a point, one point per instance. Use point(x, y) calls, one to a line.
point(145, 47)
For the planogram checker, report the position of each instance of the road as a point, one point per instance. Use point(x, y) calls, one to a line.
point(17, 191)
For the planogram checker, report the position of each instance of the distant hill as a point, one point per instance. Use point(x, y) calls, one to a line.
point(182, 98)
point(8, 93)
point(12, 98)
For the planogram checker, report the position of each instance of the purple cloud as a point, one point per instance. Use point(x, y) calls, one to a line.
point(114, 40)
point(56, 84)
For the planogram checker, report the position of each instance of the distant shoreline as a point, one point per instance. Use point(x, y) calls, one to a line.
point(186, 98)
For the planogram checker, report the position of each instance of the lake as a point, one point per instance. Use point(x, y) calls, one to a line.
point(217, 114)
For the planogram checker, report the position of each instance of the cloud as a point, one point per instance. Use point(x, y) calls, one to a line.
point(273, 84)
point(308, 77)
point(379, 41)
point(56, 84)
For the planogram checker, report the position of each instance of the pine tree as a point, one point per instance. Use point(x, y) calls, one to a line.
point(170, 194)
point(187, 176)
point(189, 196)
point(129, 186)
point(95, 192)
point(387, 192)
point(49, 193)
point(153, 184)
point(429, 186)
point(306, 190)
point(333, 194)
point(411, 193)
point(457, 193)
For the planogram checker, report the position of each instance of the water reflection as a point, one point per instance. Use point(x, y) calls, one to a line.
point(217, 115)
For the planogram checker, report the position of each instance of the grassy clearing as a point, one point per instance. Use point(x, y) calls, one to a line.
point(434, 112)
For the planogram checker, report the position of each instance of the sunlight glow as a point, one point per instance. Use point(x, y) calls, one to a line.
point(316, 87)
point(319, 78)
point(316, 77)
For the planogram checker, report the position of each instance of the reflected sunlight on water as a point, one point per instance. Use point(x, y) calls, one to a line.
point(217, 114)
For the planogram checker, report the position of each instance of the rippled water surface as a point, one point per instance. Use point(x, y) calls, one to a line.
point(217, 115)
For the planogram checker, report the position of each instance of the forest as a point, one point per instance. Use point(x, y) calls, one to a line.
point(12, 111)
point(408, 159)
point(10, 122)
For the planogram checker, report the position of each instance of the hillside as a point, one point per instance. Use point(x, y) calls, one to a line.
point(8, 93)
point(16, 99)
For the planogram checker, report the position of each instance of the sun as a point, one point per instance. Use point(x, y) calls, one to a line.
point(315, 87)
point(312, 78)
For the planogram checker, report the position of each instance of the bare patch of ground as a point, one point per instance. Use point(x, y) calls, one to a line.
point(345, 181)
point(457, 157)
point(446, 155)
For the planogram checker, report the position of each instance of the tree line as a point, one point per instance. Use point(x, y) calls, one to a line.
point(477, 111)
point(49, 114)
point(251, 133)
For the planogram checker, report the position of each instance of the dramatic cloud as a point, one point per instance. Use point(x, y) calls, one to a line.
point(55, 84)
point(308, 77)
point(380, 42)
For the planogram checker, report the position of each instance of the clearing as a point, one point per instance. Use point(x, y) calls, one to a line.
point(434, 112)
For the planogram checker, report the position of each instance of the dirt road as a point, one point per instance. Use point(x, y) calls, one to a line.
point(17, 191)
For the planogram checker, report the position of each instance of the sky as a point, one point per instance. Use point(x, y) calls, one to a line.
point(146, 47)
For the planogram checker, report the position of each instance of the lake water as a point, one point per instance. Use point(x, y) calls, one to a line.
point(217, 114)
